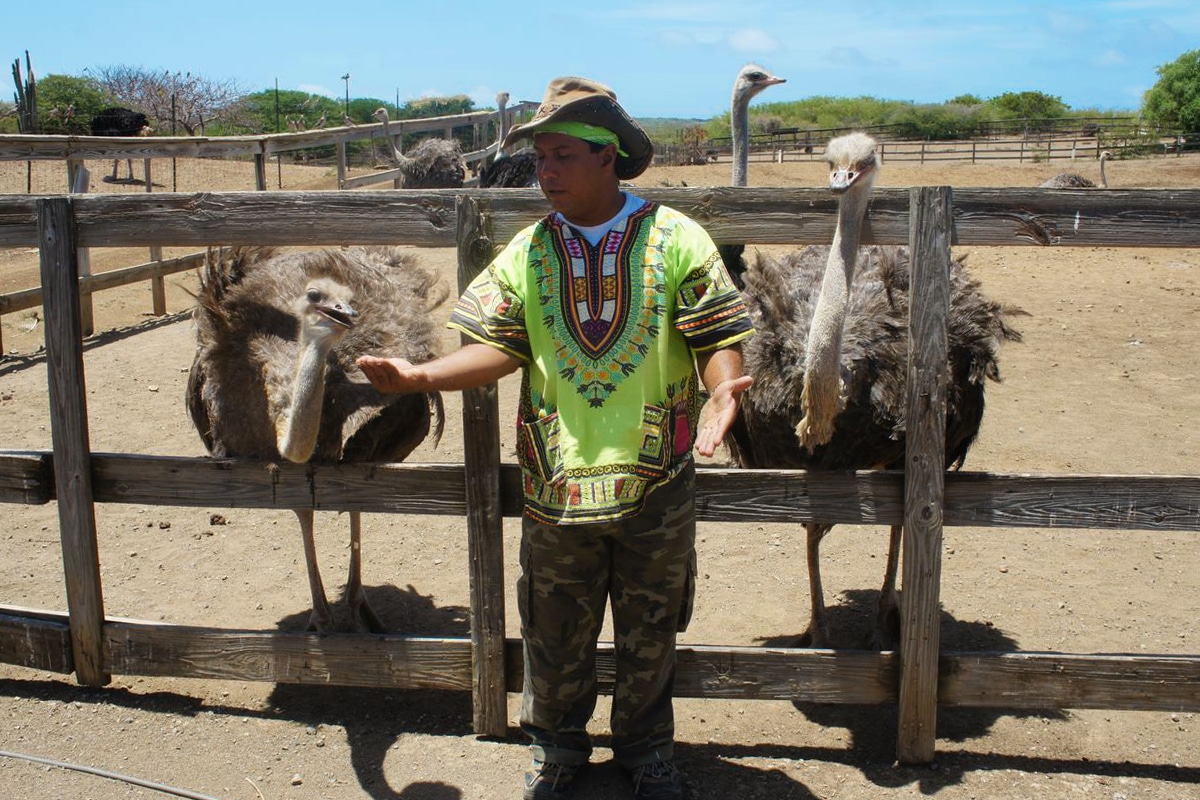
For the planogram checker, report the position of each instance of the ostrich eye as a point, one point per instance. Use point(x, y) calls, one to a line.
point(314, 295)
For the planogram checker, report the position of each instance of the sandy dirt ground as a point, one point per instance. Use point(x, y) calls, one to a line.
point(1102, 384)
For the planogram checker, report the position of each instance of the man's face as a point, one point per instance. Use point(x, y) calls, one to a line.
point(577, 182)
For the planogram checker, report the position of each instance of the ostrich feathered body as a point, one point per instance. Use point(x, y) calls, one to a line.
point(869, 431)
point(434, 164)
point(247, 334)
point(1067, 180)
point(516, 171)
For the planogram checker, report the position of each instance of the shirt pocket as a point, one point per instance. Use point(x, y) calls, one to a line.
point(656, 450)
point(540, 447)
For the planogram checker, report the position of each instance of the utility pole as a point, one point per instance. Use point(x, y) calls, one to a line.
point(346, 78)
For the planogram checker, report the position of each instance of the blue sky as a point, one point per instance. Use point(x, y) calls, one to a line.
point(671, 58)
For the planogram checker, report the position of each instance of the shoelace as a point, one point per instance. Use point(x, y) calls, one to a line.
point(659, 769)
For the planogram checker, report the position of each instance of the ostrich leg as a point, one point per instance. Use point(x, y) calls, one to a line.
point(887, 620)
point(322, 617)
point(362, 616)
point(817, 634)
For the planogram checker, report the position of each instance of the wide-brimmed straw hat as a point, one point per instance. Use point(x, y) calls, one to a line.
point(573, 99)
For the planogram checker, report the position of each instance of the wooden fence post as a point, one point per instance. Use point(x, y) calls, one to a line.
point(158, 284)
point(930, 220)
point(81, 183)
point(485, 524)
point(69, 434)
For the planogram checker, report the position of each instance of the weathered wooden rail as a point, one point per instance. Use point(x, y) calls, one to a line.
point(483, 490)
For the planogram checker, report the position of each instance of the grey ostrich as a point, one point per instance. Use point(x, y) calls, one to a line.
point(434, 164)
point(274, 374)
point(1071, 180)
point(829, 363)
point(509, 171)
point(751, 80)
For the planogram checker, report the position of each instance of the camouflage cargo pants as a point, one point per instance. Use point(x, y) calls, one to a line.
point(646, 565)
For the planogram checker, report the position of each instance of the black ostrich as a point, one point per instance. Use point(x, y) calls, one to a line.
point(515, 171)
point(120, 122)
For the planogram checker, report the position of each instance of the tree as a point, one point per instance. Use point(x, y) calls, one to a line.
point(66, 104)
point(1036, 108)
point(172, 100)
point(1174, 101)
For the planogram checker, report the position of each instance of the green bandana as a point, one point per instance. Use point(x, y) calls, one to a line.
point(582, 130)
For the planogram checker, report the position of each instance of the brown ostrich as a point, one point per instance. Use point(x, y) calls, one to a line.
point(434, 163)
point(1071, 180)
point(830, 358)
point(274, 374)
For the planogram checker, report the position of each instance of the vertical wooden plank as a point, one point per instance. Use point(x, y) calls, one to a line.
point(260, 172)
point(69, 435)
point(158, 284)
point(81, 183)
point(485, 531)
point(924, 474)
point(341, 164)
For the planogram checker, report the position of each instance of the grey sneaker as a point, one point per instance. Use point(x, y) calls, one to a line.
point(658, 781)
point(548, 779)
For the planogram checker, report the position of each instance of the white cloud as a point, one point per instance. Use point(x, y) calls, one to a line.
point(313, 88)
point(753, 40)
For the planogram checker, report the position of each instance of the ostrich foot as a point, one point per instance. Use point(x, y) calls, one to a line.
point(887, 624)
point(363, 617)
point(320, 621)
point(813, 638)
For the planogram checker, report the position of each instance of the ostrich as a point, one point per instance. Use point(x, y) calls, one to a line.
point(120, 122)
point(274, 374)
point(518, 171)
point(509, 171)
point(434, 163)
point(830, 360)
point(751, 80)
point(1070, 180)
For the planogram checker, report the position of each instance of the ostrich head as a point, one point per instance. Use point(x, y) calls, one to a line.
point(380, 114)
point(853, 163)
point(325, 311)
point(751, 80)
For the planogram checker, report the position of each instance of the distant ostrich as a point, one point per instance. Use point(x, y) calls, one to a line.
point(274, 374)
point(120, 122)
point(829, 362)
point(751, 80)
point(434, 163)
point(1071, 180)
point(515, 171)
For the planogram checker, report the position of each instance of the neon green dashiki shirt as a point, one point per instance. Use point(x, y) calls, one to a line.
point(610, 398)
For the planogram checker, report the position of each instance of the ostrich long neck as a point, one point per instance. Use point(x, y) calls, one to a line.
point(822, 372)
point(298, 437)
point(739, 123)
point(402, 161)
point(1103, 178)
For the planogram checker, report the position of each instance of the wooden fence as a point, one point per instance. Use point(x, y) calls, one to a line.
point(24, 147)
point(918, 677)
point(75, 149)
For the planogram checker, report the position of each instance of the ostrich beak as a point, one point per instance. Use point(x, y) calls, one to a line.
point(342, 314)
point(842, 178)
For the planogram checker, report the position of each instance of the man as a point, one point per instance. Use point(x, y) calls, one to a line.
point(610, 306)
